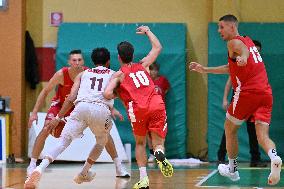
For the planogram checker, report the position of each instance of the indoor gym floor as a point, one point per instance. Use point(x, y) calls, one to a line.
point(60, 175)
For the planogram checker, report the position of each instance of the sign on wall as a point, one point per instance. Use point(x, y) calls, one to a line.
point(56, 18)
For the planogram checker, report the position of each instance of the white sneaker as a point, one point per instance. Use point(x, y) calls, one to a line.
point(274, 176)
point(122, 172)
point(84, 178)
point(121, 183)
point(33, 180)
point(151, 158)
point(30, 169)
point(224, 171)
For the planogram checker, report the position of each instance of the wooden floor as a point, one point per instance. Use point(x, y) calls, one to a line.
point(59, 176)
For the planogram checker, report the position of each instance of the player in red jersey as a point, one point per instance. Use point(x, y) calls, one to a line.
point(253, 96)
point(146, 109)
point(162, 86)
point(63, 79)
point(161, 83)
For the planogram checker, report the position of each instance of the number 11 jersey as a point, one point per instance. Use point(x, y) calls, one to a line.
point(93, 84)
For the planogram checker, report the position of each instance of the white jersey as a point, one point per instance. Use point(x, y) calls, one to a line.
point(93, 84)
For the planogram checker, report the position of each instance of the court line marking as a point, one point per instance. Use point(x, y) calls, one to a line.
point(206, 178)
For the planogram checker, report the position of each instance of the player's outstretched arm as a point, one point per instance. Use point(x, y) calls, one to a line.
point(156, 46)
point(194, 66)
point(68, 103)
point(56, 79)
point(112, 85)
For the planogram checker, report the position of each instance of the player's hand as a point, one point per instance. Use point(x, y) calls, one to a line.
point(142, 30)
point(194, 66)
point(115, 113)
point(53, 123)
point(241, 61)
point(33, 117)
point(225, 104)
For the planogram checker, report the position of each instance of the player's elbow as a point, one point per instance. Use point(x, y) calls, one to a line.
point(108, 95)
point(71, 98)
point(159, 48)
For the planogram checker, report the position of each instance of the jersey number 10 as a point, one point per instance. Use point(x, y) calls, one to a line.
point(139, 78)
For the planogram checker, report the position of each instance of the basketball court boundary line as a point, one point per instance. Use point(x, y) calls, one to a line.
point(206, 178)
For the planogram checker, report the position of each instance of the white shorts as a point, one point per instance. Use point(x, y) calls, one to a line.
point(96, 116)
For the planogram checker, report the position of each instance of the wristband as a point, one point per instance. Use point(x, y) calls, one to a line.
point(57, 118)
point(60, 119)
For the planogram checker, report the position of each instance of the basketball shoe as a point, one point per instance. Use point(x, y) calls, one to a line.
point(274, 176)
point(142, 184)
point(33, 180)
point(224, 171)
point(30, 169)
point(164, 165)
point(84, 178)
point(122, 172)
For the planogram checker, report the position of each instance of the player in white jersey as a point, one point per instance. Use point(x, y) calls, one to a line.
point(91, 110)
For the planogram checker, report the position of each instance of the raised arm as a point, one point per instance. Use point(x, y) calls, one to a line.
point(56, 79)
point(156, 46)
point(194, 66)
point(238, 50)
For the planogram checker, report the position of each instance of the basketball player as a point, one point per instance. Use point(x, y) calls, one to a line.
point(253, 143)
point(146, 109)
point(91, 110)
point(63, 79)
point(162, 86)
point(253, 97)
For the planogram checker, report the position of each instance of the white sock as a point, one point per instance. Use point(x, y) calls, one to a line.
point(44, 163)
point(143, 172)
point(117, 162)
point(158, 149)
point(233, 165)
point(33, 162)
point(272, 153)
point(87, 166)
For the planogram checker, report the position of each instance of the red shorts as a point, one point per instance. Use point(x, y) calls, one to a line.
point(257, 107)
point(151, 119)
point(51, 113)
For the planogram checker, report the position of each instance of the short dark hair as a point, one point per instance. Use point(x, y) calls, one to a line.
point(75, 51)
point(229, 18)
point(100, 56)
point(154, 66)
point(125, 51)
point(257, 43)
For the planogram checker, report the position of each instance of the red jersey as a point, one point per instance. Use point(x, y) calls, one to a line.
point(161, 86)
point(63, 90)
point(252, 77)
point(137, 86)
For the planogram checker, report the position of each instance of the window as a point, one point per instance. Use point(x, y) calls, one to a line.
point(3, 4)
